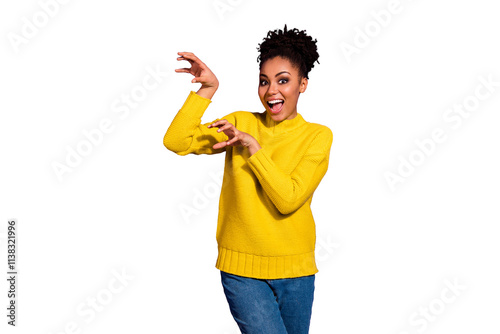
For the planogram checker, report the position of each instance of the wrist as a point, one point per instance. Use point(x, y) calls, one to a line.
point(253, 147)
point(207, 92)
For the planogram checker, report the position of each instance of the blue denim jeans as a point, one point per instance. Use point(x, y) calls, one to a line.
point(270, 306)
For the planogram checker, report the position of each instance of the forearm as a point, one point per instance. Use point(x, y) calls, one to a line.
point(288, 192)
point(185, 126)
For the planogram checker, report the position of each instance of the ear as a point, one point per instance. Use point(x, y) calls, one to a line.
point(303, 84)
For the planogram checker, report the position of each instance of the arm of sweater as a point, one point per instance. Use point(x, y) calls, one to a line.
point(187, 135)
point(289, 192)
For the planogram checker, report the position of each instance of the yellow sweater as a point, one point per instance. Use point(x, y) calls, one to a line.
point(265, 227)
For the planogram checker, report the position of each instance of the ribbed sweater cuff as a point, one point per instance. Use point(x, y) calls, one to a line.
point(260, 163)
point(266, 267)
point(195, 105)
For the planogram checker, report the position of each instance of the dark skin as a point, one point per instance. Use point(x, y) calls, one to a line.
point(278, 79)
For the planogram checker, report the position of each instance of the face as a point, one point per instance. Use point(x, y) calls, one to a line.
point(280, 83)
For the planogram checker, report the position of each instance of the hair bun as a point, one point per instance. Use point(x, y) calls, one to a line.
point(292, 44)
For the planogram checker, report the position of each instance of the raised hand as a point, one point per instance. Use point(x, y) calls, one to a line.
point(236, 137)
point(202, 74)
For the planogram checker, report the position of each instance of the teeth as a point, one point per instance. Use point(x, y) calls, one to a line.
point(274, 101)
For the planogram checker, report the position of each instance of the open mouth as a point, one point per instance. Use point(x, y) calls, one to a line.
point(275, 105)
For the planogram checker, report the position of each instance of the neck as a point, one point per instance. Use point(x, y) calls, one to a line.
point(283, 125)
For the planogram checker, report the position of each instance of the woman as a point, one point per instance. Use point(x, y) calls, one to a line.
point(274, 162)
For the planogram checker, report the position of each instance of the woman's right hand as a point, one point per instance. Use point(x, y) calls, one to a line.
point(201, 73)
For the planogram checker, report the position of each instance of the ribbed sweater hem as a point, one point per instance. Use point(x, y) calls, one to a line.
point(266, 267)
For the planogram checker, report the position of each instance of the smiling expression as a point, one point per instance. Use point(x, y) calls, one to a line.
point(279, 88)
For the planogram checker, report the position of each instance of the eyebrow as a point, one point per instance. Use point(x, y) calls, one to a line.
point(263, 75)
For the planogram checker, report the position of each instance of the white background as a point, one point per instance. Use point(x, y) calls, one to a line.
point(384, 254)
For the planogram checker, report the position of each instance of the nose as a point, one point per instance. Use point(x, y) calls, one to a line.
point(273, 88)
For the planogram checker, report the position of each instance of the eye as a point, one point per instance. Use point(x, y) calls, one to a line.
point(283, 81)
point(263, 82)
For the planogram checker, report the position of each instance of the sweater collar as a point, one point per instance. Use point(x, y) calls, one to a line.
point(284, 125)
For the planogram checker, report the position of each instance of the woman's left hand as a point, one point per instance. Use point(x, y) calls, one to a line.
point(236, 137)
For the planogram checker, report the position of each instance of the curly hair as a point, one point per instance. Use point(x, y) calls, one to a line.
point(294, 45)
